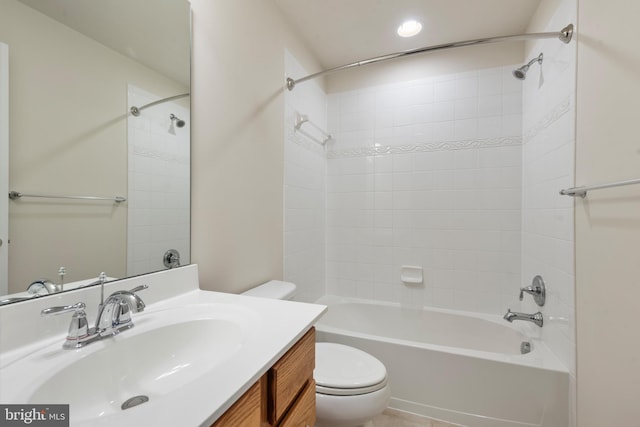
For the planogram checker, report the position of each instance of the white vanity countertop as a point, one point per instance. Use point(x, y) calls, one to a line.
point(199, 403)
point(283, 323)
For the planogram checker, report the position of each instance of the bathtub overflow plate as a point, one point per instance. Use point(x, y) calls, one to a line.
point(525, 347)
point(134, 401)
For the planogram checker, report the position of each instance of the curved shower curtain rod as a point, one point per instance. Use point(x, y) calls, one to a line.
point(563, 35)
point(136, 110)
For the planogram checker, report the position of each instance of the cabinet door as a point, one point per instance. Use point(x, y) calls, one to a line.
point(289, 376)
point(303, 412)
point(246, 411)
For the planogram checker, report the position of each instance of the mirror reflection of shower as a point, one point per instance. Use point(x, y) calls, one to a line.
point(158, 145)
point(135, 111)
point(175, 120)
point(179, 122)
point(521, 73)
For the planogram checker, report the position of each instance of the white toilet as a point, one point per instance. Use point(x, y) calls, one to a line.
point(351, 385)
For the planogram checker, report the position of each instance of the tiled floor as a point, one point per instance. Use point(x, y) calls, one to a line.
point(393, 418)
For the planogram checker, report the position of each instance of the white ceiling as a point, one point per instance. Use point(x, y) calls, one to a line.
point(158, 37)
point(338, 32)
point(345, 31)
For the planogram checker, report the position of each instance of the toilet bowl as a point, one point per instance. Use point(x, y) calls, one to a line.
point(351, 385)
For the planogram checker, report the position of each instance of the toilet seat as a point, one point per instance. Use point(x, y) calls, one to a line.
point(346, 371)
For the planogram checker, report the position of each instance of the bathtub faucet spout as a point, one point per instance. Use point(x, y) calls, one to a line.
point(512, 315)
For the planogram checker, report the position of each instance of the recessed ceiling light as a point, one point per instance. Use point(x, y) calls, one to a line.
point(409, 28)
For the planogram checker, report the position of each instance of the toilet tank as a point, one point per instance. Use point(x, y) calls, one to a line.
point(274, 289)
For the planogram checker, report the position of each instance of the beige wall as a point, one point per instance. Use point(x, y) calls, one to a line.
point(238, 141)
point(608, 221)
point(68, 135)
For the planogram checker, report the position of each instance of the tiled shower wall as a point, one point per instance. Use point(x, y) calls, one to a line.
point(548, 166)
point(304, 188)
point(427, 173)
point(159, 184)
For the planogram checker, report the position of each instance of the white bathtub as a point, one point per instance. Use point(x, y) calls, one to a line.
point(454, 366)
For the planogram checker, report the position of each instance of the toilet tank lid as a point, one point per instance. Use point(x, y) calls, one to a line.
point(274, 289)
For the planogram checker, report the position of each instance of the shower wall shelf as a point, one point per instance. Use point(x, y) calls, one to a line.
point(15, 195)
point(302, 119)
point(582, 191)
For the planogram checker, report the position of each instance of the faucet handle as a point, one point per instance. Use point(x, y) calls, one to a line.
point(530, 290)
point(52, 311)
point(139, 288)
point(79, 326)
point(537, 290)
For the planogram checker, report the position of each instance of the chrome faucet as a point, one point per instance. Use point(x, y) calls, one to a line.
point(114, 316)
point(43, 286)
point(536, 318)
point(46, 286)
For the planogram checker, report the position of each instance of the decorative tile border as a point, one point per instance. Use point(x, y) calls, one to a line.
point(466, 144)
point(160, 155)
point(549, 119)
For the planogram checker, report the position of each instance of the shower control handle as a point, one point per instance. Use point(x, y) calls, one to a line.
point(537, 290)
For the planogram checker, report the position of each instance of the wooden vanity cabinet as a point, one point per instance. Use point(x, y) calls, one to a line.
point(284, 397)
point(303, 412)
point(248, 411)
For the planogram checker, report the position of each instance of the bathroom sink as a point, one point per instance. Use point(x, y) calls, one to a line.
point(192, 354)
point(165, 351)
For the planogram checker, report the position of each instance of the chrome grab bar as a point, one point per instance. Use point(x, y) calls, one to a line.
point(15, 195)
point(582, 191)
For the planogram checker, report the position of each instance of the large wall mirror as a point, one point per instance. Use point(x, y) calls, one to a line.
point(72, 70)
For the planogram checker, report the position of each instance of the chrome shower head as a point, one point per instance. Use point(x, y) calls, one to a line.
point(179, 122)
point(521, 73)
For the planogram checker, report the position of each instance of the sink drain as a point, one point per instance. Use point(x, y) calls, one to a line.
point(134, 401)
